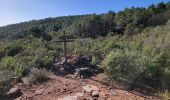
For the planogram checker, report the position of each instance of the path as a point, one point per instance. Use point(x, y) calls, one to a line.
point(65, 88)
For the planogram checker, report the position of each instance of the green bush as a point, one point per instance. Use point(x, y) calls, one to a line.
point(38, 75)
point(94, 61)
point(13, 49)
point(44, 60)
point(11, 63)
point(123, 65)
point(2, 54)
point(158, 71)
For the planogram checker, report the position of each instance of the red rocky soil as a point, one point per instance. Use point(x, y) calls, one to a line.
point(73, 87)
point(67, 88)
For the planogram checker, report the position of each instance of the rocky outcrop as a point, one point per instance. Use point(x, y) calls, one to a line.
point(78, 65)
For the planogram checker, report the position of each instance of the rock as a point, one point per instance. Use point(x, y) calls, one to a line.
point(65, 89)
point(95, 94)
point(13, 92)
point(58, 90)
point(25, 80)
point(106, 95)
point(89, 88)
point(109, 99)
point(81, 76)
point(83, 72)
point(109, 88)
point(39, 92)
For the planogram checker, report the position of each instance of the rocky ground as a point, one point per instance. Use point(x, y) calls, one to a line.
point(67, 88)
point(79, 80)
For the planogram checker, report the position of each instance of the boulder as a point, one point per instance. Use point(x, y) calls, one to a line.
point(14, 92)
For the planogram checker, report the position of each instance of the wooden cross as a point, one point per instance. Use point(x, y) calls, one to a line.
point(65, 39)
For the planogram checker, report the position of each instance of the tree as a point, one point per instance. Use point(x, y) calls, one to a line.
point(151, 9)
point(168, 6)
point(161, 7)
point(36, 31)
point(108, 22)
point(131, 29)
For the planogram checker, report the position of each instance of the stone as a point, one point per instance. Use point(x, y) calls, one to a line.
point(14, 92)
point(106, 95)
point(89, 88)
point(71, 97)
point(83, 72)
point(109, 88)
point(95, 94)
point(58, 90)
point(25, 80)
point(40, 91)
point(65, 89)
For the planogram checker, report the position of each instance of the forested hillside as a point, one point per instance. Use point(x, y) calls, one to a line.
point(129, 21)
point(132, 45)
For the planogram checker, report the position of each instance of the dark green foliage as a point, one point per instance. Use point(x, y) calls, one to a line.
point(2, 54)
point(36, 32)
point(39, 32)
point(143, 59)
point(151, 9)
point(46, 37)
point(13, 49)
point(161, 7)
point(44, 60)
point(91, 25)
point(168, 6)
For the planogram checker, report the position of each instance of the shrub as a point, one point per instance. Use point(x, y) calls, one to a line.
point(13, 49)
point(158, 71)
point(168, 23)
point(5, 77)
point(123, 65)
point(11, 63)
point(94, 61)
point(45, 60)
point(38, 75)
point(111, 64)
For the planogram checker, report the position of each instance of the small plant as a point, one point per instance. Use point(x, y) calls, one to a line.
point(94, 61)
point(165, 95)
point(12, 63)
point(5, 77)
point(38, 75)
point(168, 23)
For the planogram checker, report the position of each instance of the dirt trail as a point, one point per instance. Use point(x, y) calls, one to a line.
point(66, 88)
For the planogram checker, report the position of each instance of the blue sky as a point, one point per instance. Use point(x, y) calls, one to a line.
point(14, 11)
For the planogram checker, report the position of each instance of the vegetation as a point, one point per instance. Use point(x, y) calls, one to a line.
point(37, 75)
point(5, 77)
point(129, 21)
point(131, 45)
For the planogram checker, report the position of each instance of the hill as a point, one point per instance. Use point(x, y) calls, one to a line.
point(128, 21)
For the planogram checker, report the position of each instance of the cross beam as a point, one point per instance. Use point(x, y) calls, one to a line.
point(65, 39)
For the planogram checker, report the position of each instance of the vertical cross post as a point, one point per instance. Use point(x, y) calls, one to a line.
point(65, 39)
point(65, 48)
